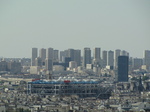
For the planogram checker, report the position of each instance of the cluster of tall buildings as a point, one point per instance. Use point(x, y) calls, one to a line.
point(117, 60)
point(45, 57)
point(108, 58)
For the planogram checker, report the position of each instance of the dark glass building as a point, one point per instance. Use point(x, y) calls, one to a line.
point(86, 57)
point(123, 62)
point(67, 60)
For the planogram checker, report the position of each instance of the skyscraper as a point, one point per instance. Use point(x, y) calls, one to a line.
point(49, 59)
point(123, 62)
point(97, 57)
point(34, 55)
point(49, 53)
point(104, 58)
point(86, 57)
point(67, 60)
point(42, 55)
point(62, 56)
point(110, 59)
point(49, 64)
point(71, 54)
point(116, 54)
point(77, 57)
point(147, 58)
point(97, 53)
point(55, 56)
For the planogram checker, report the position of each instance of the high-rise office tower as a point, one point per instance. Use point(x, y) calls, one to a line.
point(34, 55)
point(49, 53)
point(67, 60)
point(130, 63)
point(97, 56)
point(110, 59)
point(77, 57)
point(42, 55)
point(104, 58)
point(49, 64)
point(66, 53)
point(86, 57)
point(49, 59)
point(62, 56)
point(97, 53)
point(123, 63)
point(71, 54)
point(116, 54)
point(55, 56)
point(147, 58)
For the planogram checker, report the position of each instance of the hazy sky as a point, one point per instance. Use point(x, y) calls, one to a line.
point(63, 24)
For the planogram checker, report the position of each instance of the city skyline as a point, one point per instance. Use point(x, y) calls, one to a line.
point(109, 25)
point(82, 52)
